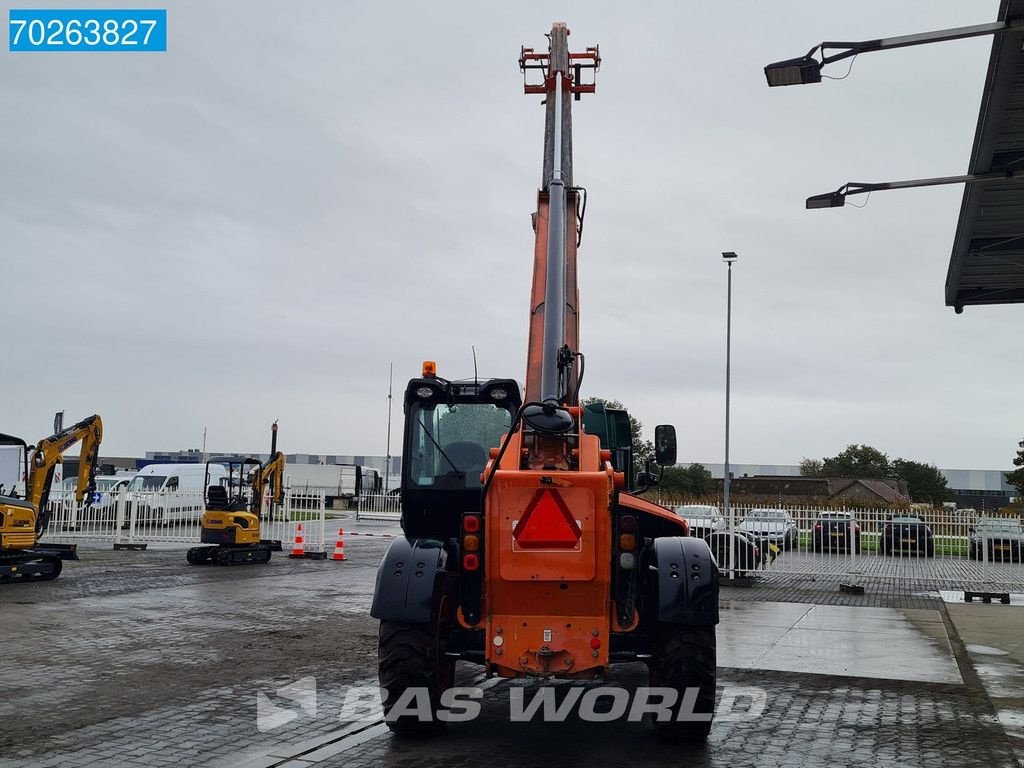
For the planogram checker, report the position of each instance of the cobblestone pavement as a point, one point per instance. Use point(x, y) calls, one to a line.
point(907, 571)
point(134, 658)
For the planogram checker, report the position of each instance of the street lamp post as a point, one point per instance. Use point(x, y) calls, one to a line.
point(729, 257)
point(807, 69)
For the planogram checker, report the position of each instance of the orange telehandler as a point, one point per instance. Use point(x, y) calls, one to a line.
point(524, 549)
point(23, 520)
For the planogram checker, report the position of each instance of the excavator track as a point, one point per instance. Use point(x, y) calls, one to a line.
point(30, 567)
point(228, 555)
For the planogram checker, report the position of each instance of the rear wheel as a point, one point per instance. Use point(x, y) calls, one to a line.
point(685, 658)
point(411, 658)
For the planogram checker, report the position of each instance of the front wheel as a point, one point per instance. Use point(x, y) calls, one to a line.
point(685, 658)
point(411, 664)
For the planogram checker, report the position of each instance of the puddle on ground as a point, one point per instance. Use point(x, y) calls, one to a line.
point(986, 650)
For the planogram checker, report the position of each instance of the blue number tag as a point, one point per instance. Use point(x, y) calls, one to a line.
point(87, 30)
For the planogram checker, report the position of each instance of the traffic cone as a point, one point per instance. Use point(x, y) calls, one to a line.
point(339, 548)
point(298, 548)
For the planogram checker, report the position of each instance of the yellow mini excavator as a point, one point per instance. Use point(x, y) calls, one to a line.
point(231, 522)
point(23, 520)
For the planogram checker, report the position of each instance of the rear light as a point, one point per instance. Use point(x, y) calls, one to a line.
point(817, 526)
point(627, 524)
point(627, 561)
point(627, 541)
point(471, 524)
point(470, 562)
point(757, 551)
point(595, 643)
point(471, 543)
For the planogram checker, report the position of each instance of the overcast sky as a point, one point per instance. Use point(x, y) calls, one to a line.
point(253, 225)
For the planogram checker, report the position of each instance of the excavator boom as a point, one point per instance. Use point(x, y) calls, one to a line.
point(49, 452)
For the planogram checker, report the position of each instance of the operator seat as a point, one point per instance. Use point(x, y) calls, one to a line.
point(216, 497)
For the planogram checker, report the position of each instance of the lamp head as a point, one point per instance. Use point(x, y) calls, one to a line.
point(800, 71)
point(835, 199)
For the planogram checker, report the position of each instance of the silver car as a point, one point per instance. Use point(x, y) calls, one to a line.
point(703, 519)
point(773, 526)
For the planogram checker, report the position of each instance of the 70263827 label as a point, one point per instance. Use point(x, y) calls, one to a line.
point(85, 29)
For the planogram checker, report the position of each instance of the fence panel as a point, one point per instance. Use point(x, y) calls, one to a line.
point(151, 517)
point(939, 547)
point(384, 507)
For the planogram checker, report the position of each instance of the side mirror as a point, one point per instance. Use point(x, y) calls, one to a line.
point(665, 445)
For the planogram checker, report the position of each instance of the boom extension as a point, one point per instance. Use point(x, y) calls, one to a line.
point(552, 379)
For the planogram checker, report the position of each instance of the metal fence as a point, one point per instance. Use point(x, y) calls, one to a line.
point(137, 517)
point(939, 546)
point(379, 507)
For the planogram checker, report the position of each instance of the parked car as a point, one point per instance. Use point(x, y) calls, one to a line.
point(775, 526)
point(703, 519)
point(836, 531)
point(1002, 537)
point(748, 552)
point(908, 533)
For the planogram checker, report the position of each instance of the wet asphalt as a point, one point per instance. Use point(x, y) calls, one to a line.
point(135, 658)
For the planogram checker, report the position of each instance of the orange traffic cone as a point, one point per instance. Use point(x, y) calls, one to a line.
point(339, 548)
point(298, 549)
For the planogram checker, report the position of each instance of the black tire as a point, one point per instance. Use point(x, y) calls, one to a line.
point(194, 556)
point(685, 657)
point(412, 656)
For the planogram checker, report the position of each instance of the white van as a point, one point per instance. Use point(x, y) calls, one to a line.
point(169, 492)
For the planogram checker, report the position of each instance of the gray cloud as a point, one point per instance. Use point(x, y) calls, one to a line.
point(254, 224)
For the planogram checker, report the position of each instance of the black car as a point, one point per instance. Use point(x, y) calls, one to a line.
point(1003, 538)
point(749, 553)
point(836, 531)
point(908, 534)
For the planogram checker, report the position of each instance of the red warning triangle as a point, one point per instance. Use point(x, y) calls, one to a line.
point(547, 523)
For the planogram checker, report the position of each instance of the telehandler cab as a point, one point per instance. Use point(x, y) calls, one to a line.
point(523, 549)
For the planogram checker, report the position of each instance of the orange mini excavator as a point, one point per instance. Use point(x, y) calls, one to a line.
point(524, 548)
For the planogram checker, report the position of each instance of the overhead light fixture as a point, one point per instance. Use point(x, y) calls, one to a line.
point(800, 71)
point(835, 199)
point(807, 69)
